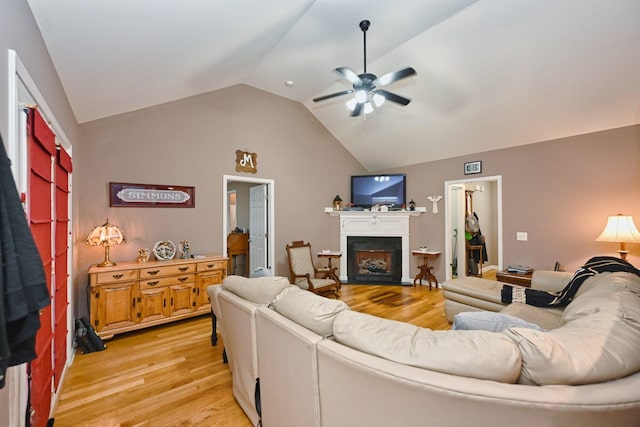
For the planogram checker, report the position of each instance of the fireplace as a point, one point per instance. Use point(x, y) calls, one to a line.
point(391, 224)
point(374, 259)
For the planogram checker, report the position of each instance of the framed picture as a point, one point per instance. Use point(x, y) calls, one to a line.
point(151, 195)
point(473, 167)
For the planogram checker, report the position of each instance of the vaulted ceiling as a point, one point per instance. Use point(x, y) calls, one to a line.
point(490, 73)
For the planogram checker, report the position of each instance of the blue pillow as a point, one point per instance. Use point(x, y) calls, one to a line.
point(489, 321)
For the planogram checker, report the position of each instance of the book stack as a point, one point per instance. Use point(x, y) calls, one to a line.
point(519, 269)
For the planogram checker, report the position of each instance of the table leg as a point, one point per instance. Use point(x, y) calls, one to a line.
point(426, 272)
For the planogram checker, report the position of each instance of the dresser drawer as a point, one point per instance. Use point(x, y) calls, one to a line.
point(167, 281)
point(212, 265)
point(166, 270)
point(116, 276)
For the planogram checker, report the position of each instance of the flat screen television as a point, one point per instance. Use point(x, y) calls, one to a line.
point(369, 190)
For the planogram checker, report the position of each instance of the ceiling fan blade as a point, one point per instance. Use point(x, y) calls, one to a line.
point(348, 74)
point(393, 97)
point(357, 110)
point(332, 95)
point(394, 76)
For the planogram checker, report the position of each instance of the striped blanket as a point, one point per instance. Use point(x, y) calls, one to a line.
point(538, 298)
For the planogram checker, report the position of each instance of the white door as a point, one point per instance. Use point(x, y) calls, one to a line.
point(457, 218)
point(258, 230)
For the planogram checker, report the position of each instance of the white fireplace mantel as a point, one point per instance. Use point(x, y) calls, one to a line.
point(377, 224)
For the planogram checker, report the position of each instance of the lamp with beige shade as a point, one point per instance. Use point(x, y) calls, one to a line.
point(620, 229)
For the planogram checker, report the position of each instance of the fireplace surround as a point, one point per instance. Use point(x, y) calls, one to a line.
point(376, 224)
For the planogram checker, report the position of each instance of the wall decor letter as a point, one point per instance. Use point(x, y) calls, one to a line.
point(246, 161)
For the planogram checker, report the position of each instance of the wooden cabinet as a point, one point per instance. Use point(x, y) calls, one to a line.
point(132, 296)
point(210, 272)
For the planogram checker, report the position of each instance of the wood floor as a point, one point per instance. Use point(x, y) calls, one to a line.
point(171, 375)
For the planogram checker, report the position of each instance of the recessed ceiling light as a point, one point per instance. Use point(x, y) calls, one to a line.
point(288, 83)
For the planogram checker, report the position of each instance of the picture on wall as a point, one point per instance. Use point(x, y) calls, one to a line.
point(473, 167)
point(151, 195)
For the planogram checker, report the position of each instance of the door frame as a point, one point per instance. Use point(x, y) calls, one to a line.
point(270, 183)
point(448, 228)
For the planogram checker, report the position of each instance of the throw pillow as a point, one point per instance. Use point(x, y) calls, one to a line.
point(489, 321)
point(259, 290)
point(307, 309)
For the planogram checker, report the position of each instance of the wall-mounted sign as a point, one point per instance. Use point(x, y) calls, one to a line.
point(246, 162)
point(473, 167)
point(151, 195)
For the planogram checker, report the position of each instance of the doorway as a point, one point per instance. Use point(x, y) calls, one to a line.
point(487, 196)
point(254, 214)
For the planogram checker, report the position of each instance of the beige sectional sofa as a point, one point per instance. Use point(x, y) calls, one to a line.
point(321, 364)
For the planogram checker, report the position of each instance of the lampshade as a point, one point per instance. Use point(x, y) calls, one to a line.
point(620, 229)
point(106, 235)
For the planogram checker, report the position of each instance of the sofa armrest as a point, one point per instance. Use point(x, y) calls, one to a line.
point(550, 281)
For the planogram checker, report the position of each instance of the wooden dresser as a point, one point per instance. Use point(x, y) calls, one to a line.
point(133, 295)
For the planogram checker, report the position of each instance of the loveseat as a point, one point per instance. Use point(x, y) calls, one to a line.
point(321, 364)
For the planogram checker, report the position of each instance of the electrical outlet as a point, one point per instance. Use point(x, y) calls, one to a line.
point(522, 236)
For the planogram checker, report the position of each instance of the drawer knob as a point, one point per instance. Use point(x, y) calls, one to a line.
point(210, 265)
point(153, 282)
point(182, 279)
point(118, 276)
point(153, 272)
point(183, 268)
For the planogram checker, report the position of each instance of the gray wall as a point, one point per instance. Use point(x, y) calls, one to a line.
point(192, 142)
point(560, 192)
point(18, 31)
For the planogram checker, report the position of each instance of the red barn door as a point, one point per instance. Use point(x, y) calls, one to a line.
point(47, 212)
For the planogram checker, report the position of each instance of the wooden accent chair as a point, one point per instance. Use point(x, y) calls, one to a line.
point(322, 281)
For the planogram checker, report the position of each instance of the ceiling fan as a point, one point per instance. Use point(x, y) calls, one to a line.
point(367, 86)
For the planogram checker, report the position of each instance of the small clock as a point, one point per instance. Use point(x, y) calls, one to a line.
point(164, 250)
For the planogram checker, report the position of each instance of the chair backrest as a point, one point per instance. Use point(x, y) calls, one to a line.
point(300, 260)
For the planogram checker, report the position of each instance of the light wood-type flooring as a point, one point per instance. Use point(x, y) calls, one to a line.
point(170, 375)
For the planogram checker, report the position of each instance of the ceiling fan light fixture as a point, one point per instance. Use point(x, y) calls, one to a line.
point(361, 96)
point(378, 99)
point(368, 108)
point(366, 91)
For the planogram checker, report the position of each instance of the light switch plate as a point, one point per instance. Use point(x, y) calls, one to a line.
point(522, 236)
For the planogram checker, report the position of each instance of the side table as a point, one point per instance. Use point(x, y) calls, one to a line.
point(330, 255)
point(426, 271)
point(514, 278)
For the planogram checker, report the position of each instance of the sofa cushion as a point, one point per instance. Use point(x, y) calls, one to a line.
point(312, 311)
point(259, 290)
point(475, 354)
point(489, 321)
point(545, 318)
point(599, 341)
point(476, 288)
